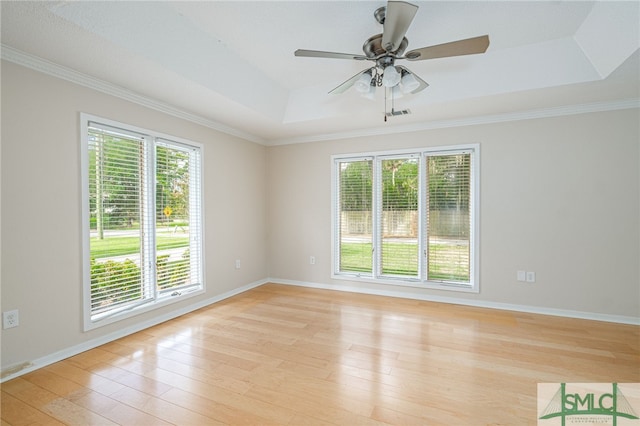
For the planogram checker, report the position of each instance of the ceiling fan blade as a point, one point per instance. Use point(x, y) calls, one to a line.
point(423, 84)
point(398, 18)
point(468, 46)
point(332, 55)
point(347, 84)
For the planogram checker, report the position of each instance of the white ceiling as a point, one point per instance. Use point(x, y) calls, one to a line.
point(230, 64)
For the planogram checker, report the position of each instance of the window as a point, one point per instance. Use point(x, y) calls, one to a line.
point(142, 220)
point(407, 217)
point(355, 215)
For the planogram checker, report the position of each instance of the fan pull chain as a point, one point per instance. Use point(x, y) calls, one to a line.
point(385, 105)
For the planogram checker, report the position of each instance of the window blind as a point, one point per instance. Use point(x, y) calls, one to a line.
point(178, 217)
point(117, 219)
point(355, 211)
point(145, 219)
point(448, 217)
point(399, 221)
point(407, 217)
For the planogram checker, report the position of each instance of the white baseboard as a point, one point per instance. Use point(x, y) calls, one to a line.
point(17, 370)
point(14, 371)
point(620, 319)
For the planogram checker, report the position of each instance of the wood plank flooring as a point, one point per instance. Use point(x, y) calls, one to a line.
point(295, 356)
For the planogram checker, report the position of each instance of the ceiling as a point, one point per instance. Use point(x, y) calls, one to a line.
point(230, 65)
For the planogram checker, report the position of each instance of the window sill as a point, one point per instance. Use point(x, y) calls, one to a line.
point(404, 282)
point(165, 300)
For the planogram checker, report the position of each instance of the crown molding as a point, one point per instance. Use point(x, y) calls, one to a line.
point(42, 65)
point(47, 67)
point(469, 121)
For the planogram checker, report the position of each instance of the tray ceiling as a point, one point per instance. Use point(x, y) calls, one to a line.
point(231, 64)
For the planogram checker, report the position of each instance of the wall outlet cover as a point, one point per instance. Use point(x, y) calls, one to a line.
point(10, 319)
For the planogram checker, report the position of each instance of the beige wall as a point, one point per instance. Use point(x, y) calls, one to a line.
point(559, 196)
point(41, 209)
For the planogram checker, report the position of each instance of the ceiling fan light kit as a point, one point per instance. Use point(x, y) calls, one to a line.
point(363, 84)
point(371, 94)
point(384, 49)
point(409, 82)
point(390, 76)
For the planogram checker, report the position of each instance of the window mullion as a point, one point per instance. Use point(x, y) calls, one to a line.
point(474, 211)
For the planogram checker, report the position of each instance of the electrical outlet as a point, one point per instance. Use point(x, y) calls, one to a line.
point(237, 263)
point(531, 277)
point(10, 319)
point(312, 260)
point(522, 276)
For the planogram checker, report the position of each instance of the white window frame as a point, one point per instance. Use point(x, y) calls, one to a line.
point(161, 298)
point(421, 281)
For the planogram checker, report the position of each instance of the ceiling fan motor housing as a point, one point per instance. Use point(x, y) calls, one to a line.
point(372, 48)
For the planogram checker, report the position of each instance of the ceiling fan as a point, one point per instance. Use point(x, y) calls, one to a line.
point(386, 48)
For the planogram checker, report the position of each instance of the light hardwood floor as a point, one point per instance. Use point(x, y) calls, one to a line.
point(295, 356)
